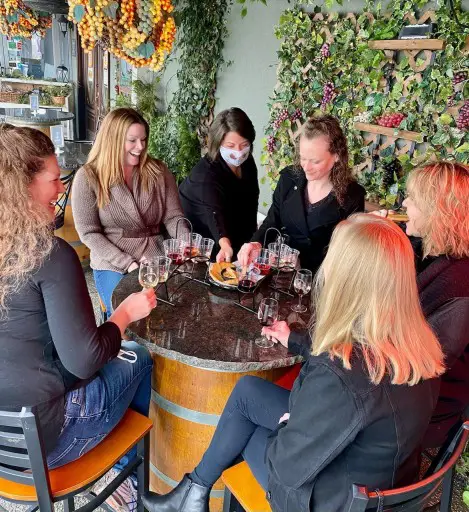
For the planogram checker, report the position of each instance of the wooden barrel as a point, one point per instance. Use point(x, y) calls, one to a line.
point(70, 235)
point(186, 405)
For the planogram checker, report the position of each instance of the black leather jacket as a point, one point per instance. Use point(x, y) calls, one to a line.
point(344, 430)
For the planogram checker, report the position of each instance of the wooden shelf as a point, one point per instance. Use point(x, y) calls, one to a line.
point(390, 132)
point(407, 44)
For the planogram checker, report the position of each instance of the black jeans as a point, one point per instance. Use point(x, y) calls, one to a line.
point(251, 413)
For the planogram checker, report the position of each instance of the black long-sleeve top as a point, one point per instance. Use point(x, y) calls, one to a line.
point(308, 227)
point(219, 204)
point(49, 342)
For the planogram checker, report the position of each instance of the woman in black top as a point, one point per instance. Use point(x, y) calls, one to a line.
point(312, 196)
point(359, 408)
point(52, 355)
point(221, 194)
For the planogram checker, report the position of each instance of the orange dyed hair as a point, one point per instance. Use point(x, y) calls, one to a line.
point(441, 192)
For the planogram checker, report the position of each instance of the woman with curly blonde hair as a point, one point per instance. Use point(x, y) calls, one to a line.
point(313, 195)
point(358, 410)
point(123, 201)
point(52, 355)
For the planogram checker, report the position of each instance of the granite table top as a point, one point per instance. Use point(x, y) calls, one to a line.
point(206, 329)
point(45, 117)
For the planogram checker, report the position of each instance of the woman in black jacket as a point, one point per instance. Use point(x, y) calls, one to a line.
point(312, 196)
point(361, 403)
point(221, 194)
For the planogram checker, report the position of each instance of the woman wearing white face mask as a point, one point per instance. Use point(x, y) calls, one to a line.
point(221, 194)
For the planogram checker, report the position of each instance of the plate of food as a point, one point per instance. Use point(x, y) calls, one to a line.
point(223, 274)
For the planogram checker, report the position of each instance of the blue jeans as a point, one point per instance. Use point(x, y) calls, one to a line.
point(92, 411)
point(106, 281)
point(251, 413)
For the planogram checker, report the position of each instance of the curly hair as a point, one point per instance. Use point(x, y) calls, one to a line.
point(26, 237)
point(441, 192)
point(328, 126)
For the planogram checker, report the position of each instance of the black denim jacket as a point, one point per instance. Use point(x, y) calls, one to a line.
point(344, 430)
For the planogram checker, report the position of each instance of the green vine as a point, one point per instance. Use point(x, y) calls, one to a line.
point(177, 136)
point(356, 74)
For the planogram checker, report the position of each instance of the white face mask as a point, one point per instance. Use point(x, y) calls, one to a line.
point(234, 157)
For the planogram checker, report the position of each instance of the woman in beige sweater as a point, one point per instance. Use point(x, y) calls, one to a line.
point(123, 201)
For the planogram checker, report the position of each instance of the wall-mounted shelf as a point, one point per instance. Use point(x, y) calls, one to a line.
point(407, 44)
point(389, 132)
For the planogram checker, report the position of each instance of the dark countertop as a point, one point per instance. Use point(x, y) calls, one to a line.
point(206, 329)
point(27, 117)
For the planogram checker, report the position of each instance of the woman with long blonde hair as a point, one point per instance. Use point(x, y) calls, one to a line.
point(359, 408)
point(52, 355)
point(123, 201)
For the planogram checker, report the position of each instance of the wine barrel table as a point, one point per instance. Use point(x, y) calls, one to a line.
point(201, 347)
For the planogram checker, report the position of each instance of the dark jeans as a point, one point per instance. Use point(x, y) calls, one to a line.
point(92, 411)
point(251, 413)
point(106, 281)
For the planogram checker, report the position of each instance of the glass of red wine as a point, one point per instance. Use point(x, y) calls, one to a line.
point(263, 261)
point(247, 278)
point(302, 285)
point(173, 250)
point(267, 315)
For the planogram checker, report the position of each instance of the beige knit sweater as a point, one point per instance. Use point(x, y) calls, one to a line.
point(131, 226)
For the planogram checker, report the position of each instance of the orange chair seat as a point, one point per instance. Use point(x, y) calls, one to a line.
point(243, 485)
point(85, 470)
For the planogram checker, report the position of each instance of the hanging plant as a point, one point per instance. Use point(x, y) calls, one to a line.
point(17, 20)
point(140, 32)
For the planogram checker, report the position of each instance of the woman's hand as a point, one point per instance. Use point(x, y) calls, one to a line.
point(248, 253)
point(226, 251)
point(278, 331)
point(135, 307)
point(133, 266)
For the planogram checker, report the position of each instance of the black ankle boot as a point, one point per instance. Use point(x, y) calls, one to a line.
point(186, 497)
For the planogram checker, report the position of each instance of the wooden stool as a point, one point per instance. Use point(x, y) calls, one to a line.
point(242, 489)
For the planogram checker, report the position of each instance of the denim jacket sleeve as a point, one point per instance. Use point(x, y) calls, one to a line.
point(300, 343)
point(312, 438)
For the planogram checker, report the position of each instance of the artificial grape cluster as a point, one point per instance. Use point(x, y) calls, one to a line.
point(463, 119)
point(460, 76)
point(327, 94)
point(363, 117)
point(298, 114)
point(450, 102)
point(283, 116)
point(325, 51)
point(391, 171)
point(140, 32)
point(391, 120)
point(29, 21)
point(271, 144)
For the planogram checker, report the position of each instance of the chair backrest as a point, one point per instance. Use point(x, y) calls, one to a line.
point(22, 454)
point(413, 497)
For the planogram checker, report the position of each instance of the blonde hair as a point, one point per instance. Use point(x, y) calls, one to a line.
point(367, 301)
point(105, 164)
point(441, 192)
point(26, 236)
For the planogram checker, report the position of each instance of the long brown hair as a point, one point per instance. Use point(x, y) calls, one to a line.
point(441, 192)
point(367, 300)
point(105, 164)
point(25, 229)
point(328, 126)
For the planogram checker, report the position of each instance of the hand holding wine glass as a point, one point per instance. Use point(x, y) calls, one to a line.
point(278, 331)
point(149, 274)
point(302, 285)
point(267, 315)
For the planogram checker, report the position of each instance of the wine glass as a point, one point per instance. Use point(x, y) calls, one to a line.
point(149, 274)
point(190, 244)
point(173, 250)
point(206, 248)
point(247, 278)
point(267, 315)
point(263, 261)
point(302, 285)
point(164, 264)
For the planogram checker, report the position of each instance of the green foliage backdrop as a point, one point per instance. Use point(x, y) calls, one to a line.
point(356, 73)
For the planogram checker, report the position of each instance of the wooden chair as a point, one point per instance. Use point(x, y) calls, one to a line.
point(243, 492)
point(25, 479)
